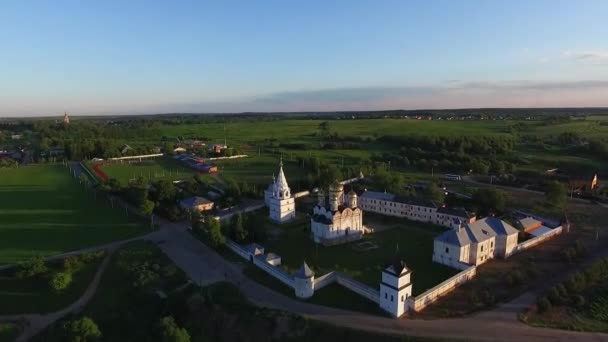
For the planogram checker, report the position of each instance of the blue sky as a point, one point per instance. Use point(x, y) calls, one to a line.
point(125, 57)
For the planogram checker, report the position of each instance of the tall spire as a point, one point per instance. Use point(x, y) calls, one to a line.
point(281, 180)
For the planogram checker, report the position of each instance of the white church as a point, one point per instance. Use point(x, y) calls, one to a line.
point(338, 220)
point(279, 199)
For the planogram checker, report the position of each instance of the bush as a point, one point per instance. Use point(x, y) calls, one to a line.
point(71, 264)
point(31, 268)
point(576, 283)
point(60, 281)
point(487, 297)
point(562, 290)
point(171, 332)
point(567, 255)
point(543, 304)
point(554, 296)
point(578, 300)
point(515, 278)
point(82, 330)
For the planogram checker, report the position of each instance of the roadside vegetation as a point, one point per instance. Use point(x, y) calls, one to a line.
point(39, 286)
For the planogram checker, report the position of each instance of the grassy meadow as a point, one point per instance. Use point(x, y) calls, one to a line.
point(44, 211)
point(157, 168)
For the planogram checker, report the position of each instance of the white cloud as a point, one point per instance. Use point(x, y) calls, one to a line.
point(592, 55)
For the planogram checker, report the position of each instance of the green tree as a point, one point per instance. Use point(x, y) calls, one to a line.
point(557, 195)
point(146, 207)
point(434, 193)
point(164, 190)
point(215, 232)
point(239, 233)
point(60, 281)
point(489, 201)
point(171, 332)
point(82, 330)
point(32, 267)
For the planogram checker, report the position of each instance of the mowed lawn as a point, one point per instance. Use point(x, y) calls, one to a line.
point(413, 242)
point(43, 211)
point(158, 168)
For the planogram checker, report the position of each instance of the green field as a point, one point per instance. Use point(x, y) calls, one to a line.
point(157, 168)
point(43, 211)
point(414, 242)
point(258, 169)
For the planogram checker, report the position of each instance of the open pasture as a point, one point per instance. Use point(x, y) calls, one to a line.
point(153, 168)
point(44, 211)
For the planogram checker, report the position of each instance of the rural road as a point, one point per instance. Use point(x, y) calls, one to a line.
point(468, 179)
point(205, 266)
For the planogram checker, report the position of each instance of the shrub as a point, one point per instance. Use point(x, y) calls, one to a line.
point(576, 283)
point(554, 296)
point(487, 297)
point(578, 300)
point(90, 256)
point(474, 298)
point(566, 255)
point(543, 304)
point(81, 330)
point(562, 290)
point(171, 332)
point(71, 264)
point(32, 267)
point(580, 248)
point(60, 280)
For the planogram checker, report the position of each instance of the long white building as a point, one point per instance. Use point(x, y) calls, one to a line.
point(415, 209)
point(475, 243)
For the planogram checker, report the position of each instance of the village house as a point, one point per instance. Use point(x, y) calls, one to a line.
point(196, 203)
point(475, 243)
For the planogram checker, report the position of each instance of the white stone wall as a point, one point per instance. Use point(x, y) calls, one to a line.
point(539, 239)
point(426, 298)
point(359, 288)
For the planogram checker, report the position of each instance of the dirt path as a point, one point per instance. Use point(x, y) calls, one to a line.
point(35, 323)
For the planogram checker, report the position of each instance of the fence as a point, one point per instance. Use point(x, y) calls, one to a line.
point(274, 271)
point(92, 177)
point(535, 241)
point(261, 263)
point(325, 280)
point(231, 157)
point(138, 157)
point(359, 288)
point(427, 297)
point(241, 210)
point(237, 249)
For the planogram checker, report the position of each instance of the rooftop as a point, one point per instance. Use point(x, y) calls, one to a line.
point(459, 212)
point(304, 272)
point(194, 201)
